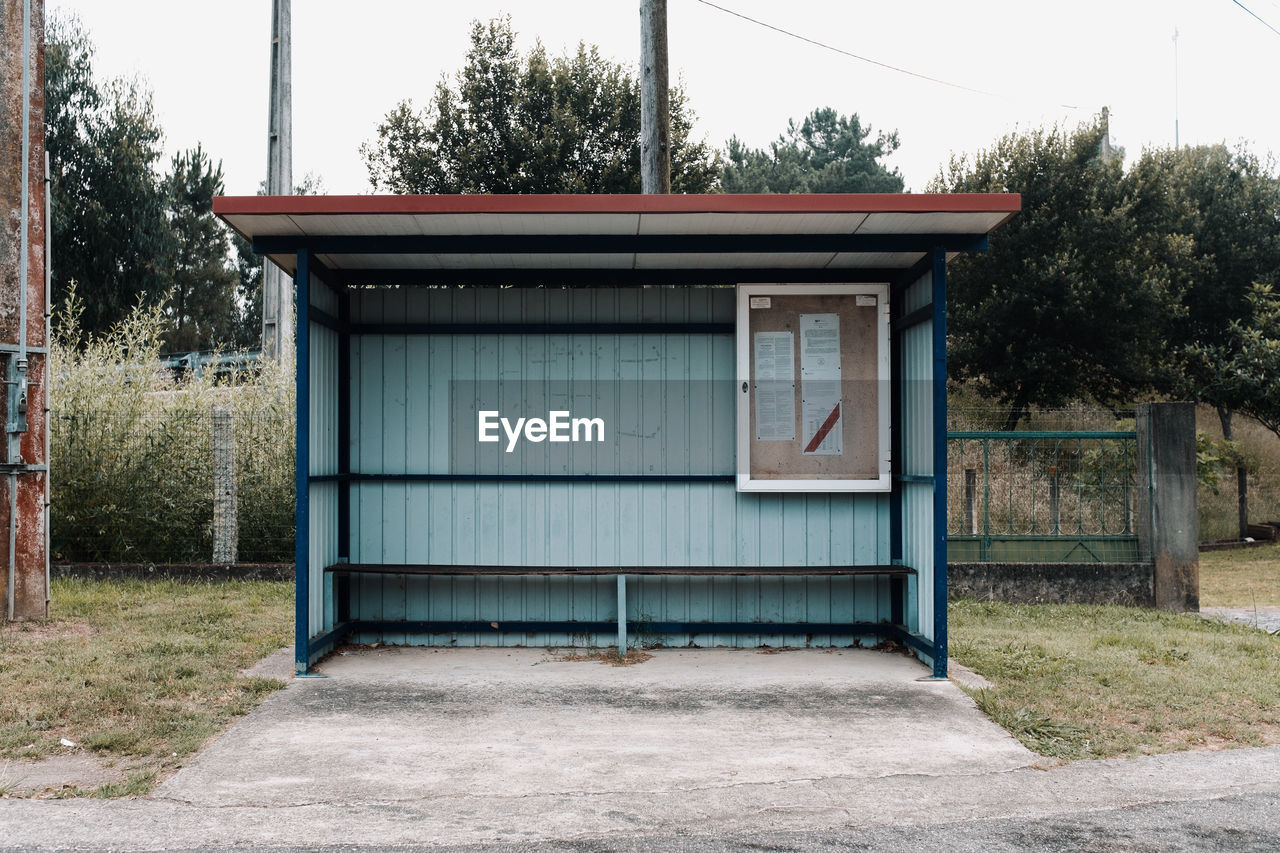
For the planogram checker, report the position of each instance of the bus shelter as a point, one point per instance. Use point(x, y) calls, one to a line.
point(692, 420)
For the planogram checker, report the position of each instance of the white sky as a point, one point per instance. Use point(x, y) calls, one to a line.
point(207, 65)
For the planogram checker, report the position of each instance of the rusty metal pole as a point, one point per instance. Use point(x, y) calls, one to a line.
point(23, 306)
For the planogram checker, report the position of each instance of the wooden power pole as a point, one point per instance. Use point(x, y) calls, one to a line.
point(277, 288)
point(655, 101)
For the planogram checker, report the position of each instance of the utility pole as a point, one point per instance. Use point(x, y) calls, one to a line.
point(277, 288)
point(655, 99)
point(1106, 135)
point(24, 315)
point(1176, 141)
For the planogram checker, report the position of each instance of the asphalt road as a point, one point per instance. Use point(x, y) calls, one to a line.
point(1246, 823)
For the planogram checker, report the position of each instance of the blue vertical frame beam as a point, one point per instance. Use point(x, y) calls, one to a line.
point(939, 463)
point(344, 423)
point(897, 299)
point(302, 435)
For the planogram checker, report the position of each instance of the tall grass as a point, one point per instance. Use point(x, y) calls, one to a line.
point(131, 449)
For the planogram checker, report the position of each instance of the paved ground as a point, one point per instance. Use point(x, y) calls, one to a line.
point(1266, 618)
point(694, 750)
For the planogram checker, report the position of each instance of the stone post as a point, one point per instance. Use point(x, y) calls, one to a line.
point(225, 526)
point(1168, 522)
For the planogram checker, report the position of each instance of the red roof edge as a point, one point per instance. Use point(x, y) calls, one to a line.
point(541, 204)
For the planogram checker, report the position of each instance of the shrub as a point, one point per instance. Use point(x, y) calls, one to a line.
point(131, 448)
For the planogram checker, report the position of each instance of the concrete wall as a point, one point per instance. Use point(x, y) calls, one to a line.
point(1129, 584)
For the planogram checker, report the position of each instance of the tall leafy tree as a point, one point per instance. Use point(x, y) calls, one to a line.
point(1074, 299)
point(1225, 206)
point(202, 299)
point(110, 232)
point(530, 123)
point(825, 153)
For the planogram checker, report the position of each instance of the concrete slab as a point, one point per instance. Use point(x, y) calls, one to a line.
point(398, 724)
point(1263, 618)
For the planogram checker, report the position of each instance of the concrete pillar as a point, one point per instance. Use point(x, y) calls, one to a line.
point(24, 577)
point(225, 524)
point(1168, 522)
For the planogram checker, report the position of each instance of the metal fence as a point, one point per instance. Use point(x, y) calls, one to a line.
point(1042, 496)
point(142, 488)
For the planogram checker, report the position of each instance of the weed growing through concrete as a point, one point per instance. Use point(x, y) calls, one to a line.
point(609, 655)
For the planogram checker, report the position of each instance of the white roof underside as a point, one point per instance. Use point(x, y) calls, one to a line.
point(257, 220)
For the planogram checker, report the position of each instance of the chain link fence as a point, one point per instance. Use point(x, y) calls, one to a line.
point(172, 487)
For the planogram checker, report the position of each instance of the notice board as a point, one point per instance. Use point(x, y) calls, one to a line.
point(813, 402)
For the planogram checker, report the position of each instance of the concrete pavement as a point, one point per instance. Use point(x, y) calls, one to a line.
point(401, 747)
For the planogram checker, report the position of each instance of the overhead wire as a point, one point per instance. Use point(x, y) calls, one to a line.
point(847, 53)
point(1256, 16)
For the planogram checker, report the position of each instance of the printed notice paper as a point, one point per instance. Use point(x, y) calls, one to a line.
point(821, 430)
point(775, 386)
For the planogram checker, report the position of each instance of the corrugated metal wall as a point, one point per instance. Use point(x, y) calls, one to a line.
point(323, 454)
point(916, 354)
point(400, 422)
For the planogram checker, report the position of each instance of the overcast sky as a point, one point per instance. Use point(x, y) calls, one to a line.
point(1032, 64)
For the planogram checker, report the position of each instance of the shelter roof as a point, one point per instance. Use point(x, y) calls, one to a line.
point(615, 238)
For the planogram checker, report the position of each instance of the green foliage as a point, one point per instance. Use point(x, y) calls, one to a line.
point(109, 227)
point(125, 234)
point(1213, 457)
point(132, 448)
point(1074, 298)
point(826, 153)
point(530, 123)
point(201, 307)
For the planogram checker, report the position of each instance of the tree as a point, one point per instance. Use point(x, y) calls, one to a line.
point(826, 153)
point(1225, 207)
point(110, 232)
point(202, 301)
point(528, 123)
point(1074, 299)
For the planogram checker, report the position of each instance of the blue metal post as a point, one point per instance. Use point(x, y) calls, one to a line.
point(622, 614)
point(896, 423)
point(939, 463)
point(302, 435)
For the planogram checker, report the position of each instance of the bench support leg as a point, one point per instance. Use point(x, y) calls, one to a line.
point(622, 614)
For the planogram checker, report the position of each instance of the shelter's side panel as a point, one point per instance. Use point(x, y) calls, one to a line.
point(916, 419)
point(322, 505)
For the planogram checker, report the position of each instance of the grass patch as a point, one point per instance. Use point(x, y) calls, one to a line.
point(138, 671)
point(1244, 577)
point(1076, 681)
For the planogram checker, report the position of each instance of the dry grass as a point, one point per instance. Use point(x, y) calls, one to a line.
point(1247, 577)
point(1076, 681)
point(141, 673)
point(1261, 449)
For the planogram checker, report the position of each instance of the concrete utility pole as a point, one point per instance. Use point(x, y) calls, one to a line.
point(1106, 135)
point(277, 288)
point(24, 297)
point(655, 101)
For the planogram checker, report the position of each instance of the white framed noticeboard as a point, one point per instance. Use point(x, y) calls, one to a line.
point(813, 387)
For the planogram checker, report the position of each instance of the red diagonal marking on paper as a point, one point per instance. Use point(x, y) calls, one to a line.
point(827, 425)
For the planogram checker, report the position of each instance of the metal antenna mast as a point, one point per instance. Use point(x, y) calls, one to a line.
point(277, 288)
